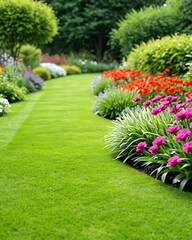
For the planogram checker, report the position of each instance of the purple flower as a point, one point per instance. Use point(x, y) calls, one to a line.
point(173, 161)
point(173, 129)
point(183, 134)
point(140, 146)
point(156, 98)
point(153, 148)
point(187, 147)
point(181, 115)
point(146, 103)
point(168, 98)
point(159, 141)
point(156, 110)
point(164, 105)
point(137, 99)
point(175, 99)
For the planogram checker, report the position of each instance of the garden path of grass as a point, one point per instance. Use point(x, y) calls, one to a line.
point(58, 182)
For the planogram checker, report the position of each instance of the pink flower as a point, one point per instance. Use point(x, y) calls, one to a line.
point(140, 146)
point(137, 99)
point(153, 148)
point(187, 147)
point(173, 129)
point(156, 110)
point(173, 161)
point(174, 99)
point(146, 103)
point(190, 124)
point(181, 115)
point(183, 134)
point(156, 99)
point(159, 141)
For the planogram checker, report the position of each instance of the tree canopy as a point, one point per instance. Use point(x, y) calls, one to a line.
point(85, 24)
point(25, 22)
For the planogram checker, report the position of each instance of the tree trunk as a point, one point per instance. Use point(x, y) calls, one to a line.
point(99, 47)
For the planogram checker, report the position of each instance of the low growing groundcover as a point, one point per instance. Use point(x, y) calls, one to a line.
point(58, 181)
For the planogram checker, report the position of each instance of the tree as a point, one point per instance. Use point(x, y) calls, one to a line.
point(25, 22)
point(85, 24)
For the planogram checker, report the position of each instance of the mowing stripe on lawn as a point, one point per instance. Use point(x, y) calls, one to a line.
point(57, 180)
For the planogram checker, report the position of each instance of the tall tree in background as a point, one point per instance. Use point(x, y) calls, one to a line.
point(85, 24)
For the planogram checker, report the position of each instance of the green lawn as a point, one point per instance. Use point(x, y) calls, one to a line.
point(58, 182)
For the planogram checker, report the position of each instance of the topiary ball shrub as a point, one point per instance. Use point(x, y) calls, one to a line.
point(157, 55)
point(111, 103)
point(44, 73)
point(71, 69)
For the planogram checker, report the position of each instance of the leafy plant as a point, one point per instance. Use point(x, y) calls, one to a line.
point(111, 103)
point(30, 56)
point(4, 106)
point(100, 85)
point(157, 55)
point(43, 72)
point(11, 91)
point(71, 69)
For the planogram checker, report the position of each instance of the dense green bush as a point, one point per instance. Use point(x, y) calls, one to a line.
point(157, 55)
point(44, 73)
point(152, 22)
point(71, 69)
point(30, 56)
point(111, 103)
point(11, 91)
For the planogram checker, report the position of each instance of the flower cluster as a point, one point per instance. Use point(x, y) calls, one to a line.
point(33, 81)
point(56, 71)
point(119, 74)
point(4, 106)
point(46, 58)
point(159, 84)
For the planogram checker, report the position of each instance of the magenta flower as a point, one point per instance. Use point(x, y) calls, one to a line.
point(173, 109)
point(179, 106)
point(187, 147)
point(181, 115)
point(175, 99)
point(146, 103)
point(153, 148)
point(156, 99)
point(137, 99)
point(173, 129)
point(188, 112)
point(163, 105)
point(159, 141)
point(183, 134)
point(173, 161)
point(156, 110)
point(140, 146)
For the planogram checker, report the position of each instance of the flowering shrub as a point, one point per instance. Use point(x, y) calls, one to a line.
point(161, 141)
point(46, 58)
point(4, 106)
point(32, 81)
point(56, 71)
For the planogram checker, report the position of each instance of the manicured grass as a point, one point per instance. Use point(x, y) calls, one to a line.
point(58, 182)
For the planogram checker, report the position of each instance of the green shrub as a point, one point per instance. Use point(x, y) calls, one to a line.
point(11, 91)
point(30, 56)
point(137, 27)
point(111, 103)
point(13, 73)
point(44, 73)
point(100, 85)
point(71, 69)
point(157, 55)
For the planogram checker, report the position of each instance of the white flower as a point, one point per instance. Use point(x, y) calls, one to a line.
point(56, 71)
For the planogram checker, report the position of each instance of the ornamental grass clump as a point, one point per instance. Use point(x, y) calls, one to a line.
point(111, 103)
point(100, 85)
point(157, 138)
